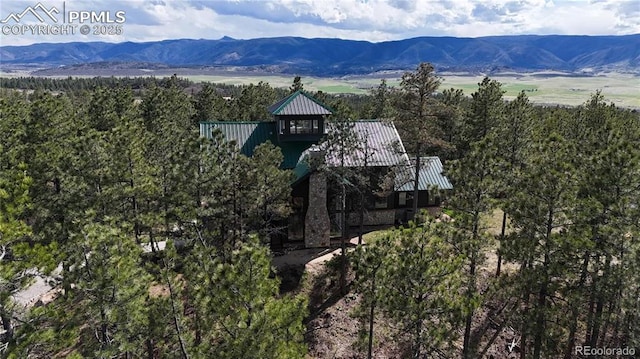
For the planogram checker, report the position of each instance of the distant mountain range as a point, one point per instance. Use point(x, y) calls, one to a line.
point(331, 57)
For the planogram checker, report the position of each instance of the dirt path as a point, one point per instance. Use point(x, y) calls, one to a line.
point(313, 259)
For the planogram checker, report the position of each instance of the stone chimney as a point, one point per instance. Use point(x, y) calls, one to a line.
point(316, 222)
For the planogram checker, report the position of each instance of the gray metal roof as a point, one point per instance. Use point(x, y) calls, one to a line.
point(299, 103)
point(380, 146)
point(381, 143)
point(430, 176)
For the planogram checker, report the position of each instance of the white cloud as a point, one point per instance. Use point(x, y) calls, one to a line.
point(372, 20)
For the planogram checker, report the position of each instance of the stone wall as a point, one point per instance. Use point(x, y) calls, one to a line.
point(374, 217)
point(316, 231)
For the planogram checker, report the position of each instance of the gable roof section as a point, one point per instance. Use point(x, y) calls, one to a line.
point(248, 135)
point(299, 103)
point(381, 146)
point(430, 176)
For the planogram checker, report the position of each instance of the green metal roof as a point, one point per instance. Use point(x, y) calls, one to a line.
point(248, 135)
point(383, 149)
point(299, 103)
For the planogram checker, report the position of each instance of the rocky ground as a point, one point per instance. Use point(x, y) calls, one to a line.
point(334, 329)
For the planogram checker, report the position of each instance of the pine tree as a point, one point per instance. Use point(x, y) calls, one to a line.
point(609, 167)
point(486, 110)
point(297, 85)
point(420, 282)
point(381, 98)
point(512, 135)
point(209, 105)
point(416, 118)
point(109, 293)
point(542, 209)
point(451, 110)
point(54, 161)
point(367, 263)
point(172, 157)
point(253, 102)
point(271, 186)
point(473, 177)
point(340, 144)
point(14, 248)
point(238, 309)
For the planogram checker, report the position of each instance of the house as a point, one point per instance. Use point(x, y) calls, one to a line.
point(299, 124)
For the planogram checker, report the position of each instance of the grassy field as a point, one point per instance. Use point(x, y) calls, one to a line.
point(541, 88)
point(621, 89)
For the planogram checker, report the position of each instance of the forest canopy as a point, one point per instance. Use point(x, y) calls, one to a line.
point(92, 171)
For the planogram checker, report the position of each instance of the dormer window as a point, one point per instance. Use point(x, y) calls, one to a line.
point(304, 126)
point(300, 117)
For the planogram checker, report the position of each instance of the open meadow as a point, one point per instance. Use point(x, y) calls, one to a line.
point(545, 87)
point(541, 87)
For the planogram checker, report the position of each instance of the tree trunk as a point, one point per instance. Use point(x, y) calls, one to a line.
point(502, 234)
point(595, 282)
point(468, 346)
point(371, 315)
point(416, 182)
point(542, 294)
point(575, 310)
point(343, 240)
point(150, 349)
point(134, 204)
point(417, 345)
point(152, 241)
point(361, 219)
point(6, 325)
point(174, 312)
point(468, 350)
point(525, 313)
point(104, 336)
point(540, 315)
point(597, 320)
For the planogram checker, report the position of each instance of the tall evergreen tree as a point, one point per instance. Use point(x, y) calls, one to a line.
point(542, 210)
point(239, 312)
point(109, 292)
point(368, 264)
point(297, 85)
point(172, 155)
point(380, 101)
point(209, 105)
point(473, 177)
point(416, 119)
point(486, 110)
point(420, 282)
point(253, 102)
point(608, 181)
point(512, 135)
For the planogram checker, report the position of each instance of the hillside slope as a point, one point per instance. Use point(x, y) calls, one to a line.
point(338, 57)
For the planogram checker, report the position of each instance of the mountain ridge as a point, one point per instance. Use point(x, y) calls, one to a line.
point(328, 56)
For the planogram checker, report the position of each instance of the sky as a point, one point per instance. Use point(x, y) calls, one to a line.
point(370, 20)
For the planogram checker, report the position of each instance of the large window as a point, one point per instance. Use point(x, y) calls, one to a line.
point(402, 199)
point(380, 202)
point(304, 126)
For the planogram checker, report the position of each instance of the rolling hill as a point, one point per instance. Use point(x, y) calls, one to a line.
point(328, 57)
